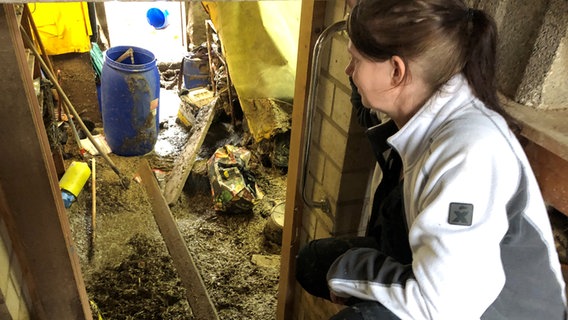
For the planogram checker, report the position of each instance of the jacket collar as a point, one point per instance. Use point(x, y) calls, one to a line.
point(411, 140)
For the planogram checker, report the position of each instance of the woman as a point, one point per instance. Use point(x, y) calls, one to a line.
point(459, 228)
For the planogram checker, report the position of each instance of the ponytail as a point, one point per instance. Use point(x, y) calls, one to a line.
point(480, 66)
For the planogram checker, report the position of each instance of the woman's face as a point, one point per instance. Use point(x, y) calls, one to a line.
point(373, 79)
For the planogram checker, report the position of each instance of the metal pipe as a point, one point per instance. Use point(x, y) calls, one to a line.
point(314, 74)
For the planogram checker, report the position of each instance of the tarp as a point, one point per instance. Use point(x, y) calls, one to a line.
point(260, 43)
point(63, 27)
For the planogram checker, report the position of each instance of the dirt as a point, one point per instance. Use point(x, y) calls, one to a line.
point(126, 266)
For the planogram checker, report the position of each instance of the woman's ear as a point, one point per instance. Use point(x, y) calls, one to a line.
point(398, 70)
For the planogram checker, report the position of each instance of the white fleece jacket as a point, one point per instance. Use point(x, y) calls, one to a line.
point(481, 241)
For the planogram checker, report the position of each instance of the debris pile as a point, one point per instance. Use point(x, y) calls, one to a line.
point(232, 185)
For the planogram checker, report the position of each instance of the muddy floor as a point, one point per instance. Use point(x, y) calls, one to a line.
point(126, 266)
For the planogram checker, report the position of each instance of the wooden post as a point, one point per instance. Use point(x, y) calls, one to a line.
point(32, 203)
point(309, 20)
point(183, 163)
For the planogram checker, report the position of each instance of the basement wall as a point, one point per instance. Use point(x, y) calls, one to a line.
point(14, 298)
point(533, 63)
point(340, 159)
point(532, 54)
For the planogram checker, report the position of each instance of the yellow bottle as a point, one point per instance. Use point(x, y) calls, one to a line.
point(73, 181)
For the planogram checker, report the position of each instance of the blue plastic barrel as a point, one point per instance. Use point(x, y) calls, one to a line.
point(130, 92)
point(195, 72)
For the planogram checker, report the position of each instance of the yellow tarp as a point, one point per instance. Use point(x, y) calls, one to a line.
point(260, 43)
point(63, 27)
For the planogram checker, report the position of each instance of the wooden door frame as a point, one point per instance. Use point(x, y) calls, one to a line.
point(30, 199)
point(311, 24)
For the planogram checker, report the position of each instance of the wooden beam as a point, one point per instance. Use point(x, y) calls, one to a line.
point(196, 293)
point(311, 19)
point(551, 171)
point(32, 196)
point(547, 149)
point(177, 177)
point(547, 128)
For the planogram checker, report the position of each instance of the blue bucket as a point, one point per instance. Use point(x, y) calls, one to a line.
point(195, 72)
point(157, 18)
point(130, 95)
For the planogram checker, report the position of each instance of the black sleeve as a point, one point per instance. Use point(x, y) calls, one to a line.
point(366, 118)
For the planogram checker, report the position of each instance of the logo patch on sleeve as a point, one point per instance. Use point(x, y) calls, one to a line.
point(461, 214)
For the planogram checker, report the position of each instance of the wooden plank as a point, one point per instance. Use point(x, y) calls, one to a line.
point(31, 191)
point(547, 128)
point(547, 149)
point(312, 16)
point(176, 179)
point(551, 171)
point(196, 294)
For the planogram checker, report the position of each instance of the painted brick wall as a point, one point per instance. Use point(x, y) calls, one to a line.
point(340, 159)
point(13, 295)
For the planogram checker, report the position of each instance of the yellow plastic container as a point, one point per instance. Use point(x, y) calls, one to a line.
point(75, 177)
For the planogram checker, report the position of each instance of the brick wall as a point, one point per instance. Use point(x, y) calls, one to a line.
point(340, 159)
point(340, 156)
point(13, 294)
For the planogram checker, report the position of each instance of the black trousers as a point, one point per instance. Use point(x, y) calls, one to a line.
point(313, 262)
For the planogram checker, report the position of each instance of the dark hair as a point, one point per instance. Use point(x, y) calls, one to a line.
point(444, 37)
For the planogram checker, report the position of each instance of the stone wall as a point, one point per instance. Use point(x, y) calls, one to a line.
point(532, 53)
